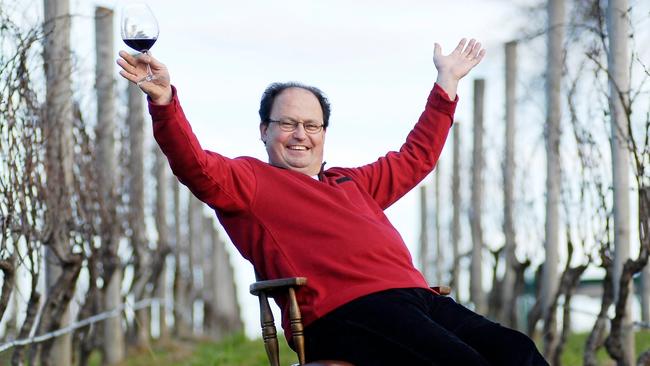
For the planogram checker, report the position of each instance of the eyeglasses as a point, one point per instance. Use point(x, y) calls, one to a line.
point(287, 125)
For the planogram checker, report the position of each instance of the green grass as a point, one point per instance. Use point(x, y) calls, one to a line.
point(574, 348)
point(236, 350)
point(239, 351)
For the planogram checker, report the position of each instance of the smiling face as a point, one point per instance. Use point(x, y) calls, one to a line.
point(297, 150)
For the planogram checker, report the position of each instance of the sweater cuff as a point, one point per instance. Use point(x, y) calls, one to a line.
point(160, 112)
point(439, 100)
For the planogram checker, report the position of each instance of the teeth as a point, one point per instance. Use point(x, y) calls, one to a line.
point(297, 148)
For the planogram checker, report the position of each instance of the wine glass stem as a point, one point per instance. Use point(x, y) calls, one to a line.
point(150, 75)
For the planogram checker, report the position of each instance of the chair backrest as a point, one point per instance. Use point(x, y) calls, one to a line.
point(265, 289)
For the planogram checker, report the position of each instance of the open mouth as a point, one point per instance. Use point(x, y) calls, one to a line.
point(297, 148)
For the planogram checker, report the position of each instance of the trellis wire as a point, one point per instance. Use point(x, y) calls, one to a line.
point(93, 319)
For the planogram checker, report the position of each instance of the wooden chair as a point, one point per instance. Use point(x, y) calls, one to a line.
point(269, 288)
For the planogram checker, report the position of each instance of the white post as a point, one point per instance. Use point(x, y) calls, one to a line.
point(424, 233)
point(508, 313)
point(113, 345)
point(555, 63)
point(455, 221)
point(58, 129)
point(477, 296)
point(619, 89)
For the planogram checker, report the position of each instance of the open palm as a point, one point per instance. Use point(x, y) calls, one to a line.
point(460, 61)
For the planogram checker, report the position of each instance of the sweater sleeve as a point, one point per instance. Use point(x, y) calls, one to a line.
point(396, 173)
point(222, 183)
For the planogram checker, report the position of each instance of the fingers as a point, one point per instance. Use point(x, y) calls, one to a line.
point(152, 61)
point(130, 77)
point(476, 53)
point(460, 46)
point(129, 64)
point(147, 58)
point(470, 48)
point(473, 51)
point(479, 56)
point(127, 67)
point(135, 60)
point(129, 58)
point(134, 66)
point(129, 72)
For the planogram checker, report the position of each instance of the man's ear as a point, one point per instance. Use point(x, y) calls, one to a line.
point(263, 129)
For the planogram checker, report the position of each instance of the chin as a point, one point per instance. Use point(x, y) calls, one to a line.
point(302, 169)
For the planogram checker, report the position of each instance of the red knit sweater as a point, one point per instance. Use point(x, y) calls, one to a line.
point(332, 230)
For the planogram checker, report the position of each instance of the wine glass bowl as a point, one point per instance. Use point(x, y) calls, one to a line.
point(139, 29)
point(140, 44)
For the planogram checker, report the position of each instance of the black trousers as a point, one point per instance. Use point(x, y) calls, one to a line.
point(415, 327)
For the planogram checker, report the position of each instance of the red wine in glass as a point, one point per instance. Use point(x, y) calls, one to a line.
point(139, 30)
point(140, 44)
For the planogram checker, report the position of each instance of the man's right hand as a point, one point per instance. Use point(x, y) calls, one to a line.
point(134, 69)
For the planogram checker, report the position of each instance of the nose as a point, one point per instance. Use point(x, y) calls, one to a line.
point(299, 132)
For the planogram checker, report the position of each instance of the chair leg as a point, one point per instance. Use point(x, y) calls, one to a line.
point(296, 326)
point(269, 334)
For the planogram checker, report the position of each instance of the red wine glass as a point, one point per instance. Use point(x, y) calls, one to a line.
point(139, 30)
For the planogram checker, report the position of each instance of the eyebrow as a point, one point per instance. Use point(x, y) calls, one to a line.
point(283, 119)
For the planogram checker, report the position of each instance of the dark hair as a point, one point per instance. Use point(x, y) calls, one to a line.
point(273, 90)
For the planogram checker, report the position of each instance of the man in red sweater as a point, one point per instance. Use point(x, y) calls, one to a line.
point(365, 302)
